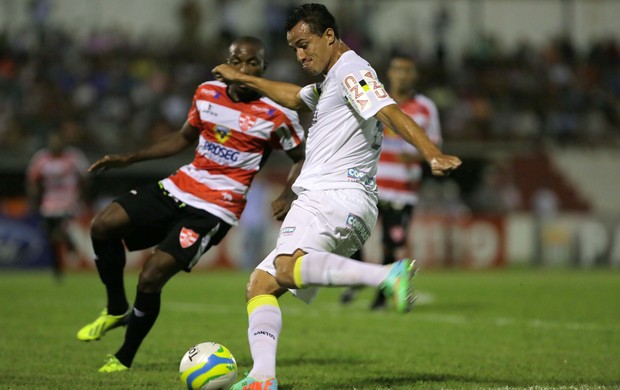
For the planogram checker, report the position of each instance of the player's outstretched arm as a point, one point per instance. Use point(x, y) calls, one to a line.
point(282, 204)
point(286, 94)
point(394, 118)
point(164, 147)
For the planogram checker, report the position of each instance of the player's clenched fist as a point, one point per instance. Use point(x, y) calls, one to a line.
point(444, 164)
point(226, 73)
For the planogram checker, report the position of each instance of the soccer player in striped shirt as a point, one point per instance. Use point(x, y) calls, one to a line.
point(336, 204)
point(55, 184)
point(233, 129)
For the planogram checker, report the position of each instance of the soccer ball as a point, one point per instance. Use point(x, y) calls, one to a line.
point(208, 366)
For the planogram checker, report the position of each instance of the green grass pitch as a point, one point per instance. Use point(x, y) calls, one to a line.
point(538, 328)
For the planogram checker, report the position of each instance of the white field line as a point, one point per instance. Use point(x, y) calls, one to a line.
point(336, 309)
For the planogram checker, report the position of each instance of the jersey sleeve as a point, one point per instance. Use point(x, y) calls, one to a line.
point(289, 133)
point(193, 116)
point(363, 90)
point(310, 95)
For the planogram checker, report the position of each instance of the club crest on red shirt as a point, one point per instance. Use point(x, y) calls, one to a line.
point(246, 121)
point(187, 237)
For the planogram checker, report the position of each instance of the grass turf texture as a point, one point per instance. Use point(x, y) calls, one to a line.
point(495, 329)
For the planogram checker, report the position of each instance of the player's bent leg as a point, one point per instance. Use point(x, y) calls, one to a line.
point(285, 269)
point(261, 283)
point(157, 270)
point(106, 230)
point(109, 223)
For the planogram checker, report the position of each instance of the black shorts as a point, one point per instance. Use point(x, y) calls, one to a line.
point(158, 219)
point(395, 223)
point(52, 224)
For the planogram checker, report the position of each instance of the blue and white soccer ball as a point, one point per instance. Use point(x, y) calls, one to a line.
point(208, 366)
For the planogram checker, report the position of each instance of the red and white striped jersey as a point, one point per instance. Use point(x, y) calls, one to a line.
point(235, 141)
point(60, 177)
point(399, 181)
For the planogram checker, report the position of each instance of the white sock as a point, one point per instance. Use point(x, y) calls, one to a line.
point(264, 327)
point(328, 269)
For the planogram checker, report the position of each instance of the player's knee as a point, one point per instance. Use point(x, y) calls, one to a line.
point(151, 280)
point(262, 283)
point(98, 227)
point(106, 223)
point(285, 266)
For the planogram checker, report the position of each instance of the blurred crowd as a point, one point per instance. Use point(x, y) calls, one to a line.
point(111, 91)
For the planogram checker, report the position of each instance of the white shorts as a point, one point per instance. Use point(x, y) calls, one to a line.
point(335, 221)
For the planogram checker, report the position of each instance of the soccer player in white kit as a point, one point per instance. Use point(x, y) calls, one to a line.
point(337, 192)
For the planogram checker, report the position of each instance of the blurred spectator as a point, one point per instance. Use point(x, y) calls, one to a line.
point(496, 192)
point(545, 203)
point(55, 185)
point(118, 84)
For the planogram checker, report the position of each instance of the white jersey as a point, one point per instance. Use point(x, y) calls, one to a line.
point(344, 141)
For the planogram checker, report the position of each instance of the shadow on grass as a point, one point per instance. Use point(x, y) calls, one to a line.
point(421, 379)
point(410, 381)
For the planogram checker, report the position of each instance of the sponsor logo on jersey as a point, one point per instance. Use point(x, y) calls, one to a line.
point(287, 231)
point(370, 183)
point(222, 133)
point(246, 121)
point(215, 151)
point(359, 227)
point(266, 110)
point(210, 92)
point(187, 237)
point(209, 110)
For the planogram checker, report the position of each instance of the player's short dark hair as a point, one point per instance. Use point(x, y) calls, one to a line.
point(315, 15)
point(402, 56)
point(250, 41)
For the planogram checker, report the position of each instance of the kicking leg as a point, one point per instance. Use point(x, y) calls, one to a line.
point(327, 269)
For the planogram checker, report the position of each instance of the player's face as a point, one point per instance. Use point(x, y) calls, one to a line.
point(313, 51)
point(55, 143)
point(247, 58)
point(402, 74)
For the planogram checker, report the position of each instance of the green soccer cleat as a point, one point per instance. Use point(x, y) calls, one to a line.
point(96, 329)
point(113, 365)
point(249, 383)
point(399, 284)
